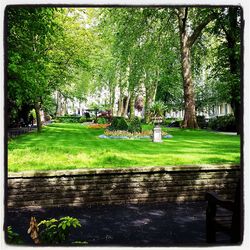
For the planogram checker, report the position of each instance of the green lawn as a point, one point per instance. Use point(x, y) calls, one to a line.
point(71, 146)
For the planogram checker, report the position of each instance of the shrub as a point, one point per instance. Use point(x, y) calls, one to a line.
point(175, 124)
point(135, 125)
point(55, 231)
point(82, 119)
point(118, 123)
point(202, 123)
point(167, 121)
point(225, 123)
point(69, 119)
point(13, 237)
point(102, 120)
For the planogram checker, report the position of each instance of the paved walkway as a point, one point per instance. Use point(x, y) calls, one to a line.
point(127, 225)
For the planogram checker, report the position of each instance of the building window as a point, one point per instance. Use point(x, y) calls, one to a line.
point(225, 109)
point(221, 109)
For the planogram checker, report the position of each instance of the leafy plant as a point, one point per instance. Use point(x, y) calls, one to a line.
point(158, 109)
point(69, 119)
point(118, 123)
point(135, 125)
point(102, 120)
point(12, 237)
point(82, 119)
point(202, 123)
point(223, 123)
point(55, 231)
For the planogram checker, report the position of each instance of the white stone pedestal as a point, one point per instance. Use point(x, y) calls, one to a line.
point(157, 134)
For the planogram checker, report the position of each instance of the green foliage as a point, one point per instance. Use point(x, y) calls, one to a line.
point(223, 123)
point(202, 123)
point(118, 123)
point(135, 125)
point(71, 119)
point(102, 120)
point(12, 237)
point(33, 113)
point(48, 50)
point(49, 105)
point(31, 35)
point(167, 121)
point(157, 109)
point(55, 231)
point(82, 119)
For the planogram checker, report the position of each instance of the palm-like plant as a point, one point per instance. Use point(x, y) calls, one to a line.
point(157, 109)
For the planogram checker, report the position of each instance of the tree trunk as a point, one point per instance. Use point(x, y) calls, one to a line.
point(148, 102)
point(187, 42)
point(132, 106)
point(38, 117)
point(125, 110)
point(189, 116)
point(234, 66)
point(120, 104)
point(112, 100)
point(59, 104)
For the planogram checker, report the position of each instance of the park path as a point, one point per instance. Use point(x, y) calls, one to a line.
point(127, 225)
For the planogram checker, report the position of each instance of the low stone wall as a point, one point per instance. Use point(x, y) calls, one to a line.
point(120, 186)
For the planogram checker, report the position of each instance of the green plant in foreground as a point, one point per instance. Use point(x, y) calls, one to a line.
point(12, 237)
point(55, 231)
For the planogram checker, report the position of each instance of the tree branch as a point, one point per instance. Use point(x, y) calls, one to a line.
point(185, 18)
point(199, 28)
point(182, 14)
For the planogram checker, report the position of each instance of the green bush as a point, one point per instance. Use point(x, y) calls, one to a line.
point(69, 119)
point(82, 119)
point(101, 120)
point(13, 237)
point(167, 121)
point(225, 123)
point(118, 123)
point(55, 231)
point(135, 125)
point(202, 123)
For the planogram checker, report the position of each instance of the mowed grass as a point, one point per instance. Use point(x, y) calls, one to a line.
point(72, 146)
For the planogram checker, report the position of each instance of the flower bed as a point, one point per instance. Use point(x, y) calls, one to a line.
point(94, 125)
point(121, 134)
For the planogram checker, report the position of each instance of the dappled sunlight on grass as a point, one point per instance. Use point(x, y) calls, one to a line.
point(69, 146)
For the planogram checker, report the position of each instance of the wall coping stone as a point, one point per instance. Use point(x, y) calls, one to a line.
point(133, 170)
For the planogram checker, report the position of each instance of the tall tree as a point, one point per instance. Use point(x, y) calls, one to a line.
point(28, 45)
point(229, 27)
point(48, 50)
point(187, 40)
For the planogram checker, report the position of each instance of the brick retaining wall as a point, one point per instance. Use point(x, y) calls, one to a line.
point(119, 186)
